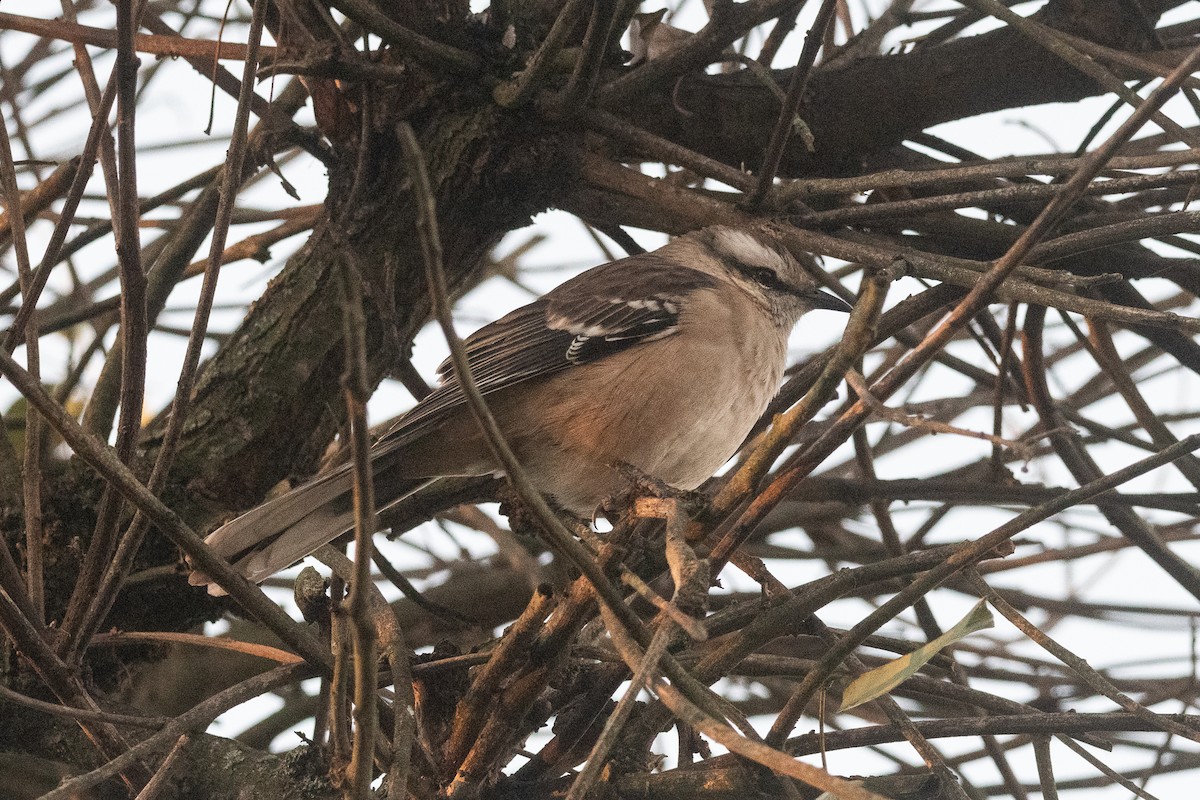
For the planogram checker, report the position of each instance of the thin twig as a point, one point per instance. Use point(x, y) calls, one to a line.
point(362, 627)
point(691, 579)
point(220, 77)
point(159, 782)
point(104, 460)
point(1106, 235)
point(192, 721)
point(999, 168)
point(55, 250)
point(542, 63)
point(1070, 723)
point(1048, 38)
point(1106, 770)
point(1091, 677)
point(662, 149)
point(133, 328)
point(786, 122)
point(784, 25)
point(118, 568)
point(1083, 467)
point(988, 199)
point(976, 550)
point(67, 686)
point(106, 717)
point(727, 23)
point(34, 594)
point(968, 307)
point(107, 39)
point(120, 638)
point(390, 635)
point(858, 337)
point(40, 197)
point(643, 673)
point(720, 732)
point(122, 380)
point(857, 382)
point(1104, 351)
point(513, 649)
point(582, 83)
point(410, 43)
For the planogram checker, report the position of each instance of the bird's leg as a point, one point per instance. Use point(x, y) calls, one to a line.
point(641, 484)
point(523, 522)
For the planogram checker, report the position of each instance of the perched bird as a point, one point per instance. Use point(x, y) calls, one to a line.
point(661, 361)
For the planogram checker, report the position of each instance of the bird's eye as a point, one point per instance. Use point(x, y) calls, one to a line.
point(766, 277)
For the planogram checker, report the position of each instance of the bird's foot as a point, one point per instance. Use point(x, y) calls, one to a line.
point(524, 522)
point(640, 485)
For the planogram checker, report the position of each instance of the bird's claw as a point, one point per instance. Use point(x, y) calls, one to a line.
point(639, 484)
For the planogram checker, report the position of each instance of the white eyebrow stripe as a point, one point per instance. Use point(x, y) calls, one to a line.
point(747, 249)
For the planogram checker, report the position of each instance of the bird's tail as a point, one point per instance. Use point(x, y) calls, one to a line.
point(280, 532)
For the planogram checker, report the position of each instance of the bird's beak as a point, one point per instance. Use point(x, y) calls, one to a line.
point(827, 300)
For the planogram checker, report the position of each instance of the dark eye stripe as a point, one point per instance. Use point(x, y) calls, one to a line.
point(765, 277)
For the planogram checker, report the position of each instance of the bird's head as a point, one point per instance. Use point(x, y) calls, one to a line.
point(757, 262)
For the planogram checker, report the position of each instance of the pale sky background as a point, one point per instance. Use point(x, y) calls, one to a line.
point(177, 107)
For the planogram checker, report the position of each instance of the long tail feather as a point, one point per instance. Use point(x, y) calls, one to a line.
point(280, 532)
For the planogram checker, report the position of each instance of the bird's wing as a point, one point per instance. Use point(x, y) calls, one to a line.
point(600, 312)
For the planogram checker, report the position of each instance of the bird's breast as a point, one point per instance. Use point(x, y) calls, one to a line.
point(676, 409)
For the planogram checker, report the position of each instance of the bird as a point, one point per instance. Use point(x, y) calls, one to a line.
point(661, 362)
